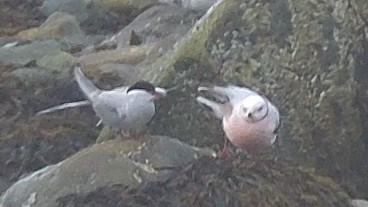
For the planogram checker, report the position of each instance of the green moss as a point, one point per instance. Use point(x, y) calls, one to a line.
point(192, 46)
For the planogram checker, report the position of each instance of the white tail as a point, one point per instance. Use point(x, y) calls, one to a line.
point(64, 106)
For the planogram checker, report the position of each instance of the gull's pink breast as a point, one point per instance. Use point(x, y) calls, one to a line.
point(247, 135)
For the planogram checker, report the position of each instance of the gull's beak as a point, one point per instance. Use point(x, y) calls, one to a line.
point(160, 93)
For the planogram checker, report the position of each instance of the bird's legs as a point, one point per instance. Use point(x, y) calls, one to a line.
point(131, 134)
point(136, 134)
point(123, 134)
point(223, 154)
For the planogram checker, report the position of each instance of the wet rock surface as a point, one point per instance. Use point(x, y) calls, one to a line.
point(31, 76)
point(125, 4)
point(23, 54)
point(38, 144)
point(115, 162)
point(210, 182)
point(58, 25)
point(359, 203)
point(160, 23)
point(91, 16)
point(18, 15)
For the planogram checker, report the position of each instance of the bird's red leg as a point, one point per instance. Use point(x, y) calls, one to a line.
point(223, 154)
point(123, 134)
point(137, 134)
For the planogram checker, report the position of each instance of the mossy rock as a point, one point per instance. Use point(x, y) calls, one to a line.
point(234, 182)
point(300, 54)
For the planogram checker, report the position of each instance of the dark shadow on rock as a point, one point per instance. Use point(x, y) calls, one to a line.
point(129, 162)
point(361, 76)
point(17, 15)
point(28, 143)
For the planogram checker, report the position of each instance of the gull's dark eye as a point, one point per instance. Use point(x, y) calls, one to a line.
point(245, 110)
point(260, 108)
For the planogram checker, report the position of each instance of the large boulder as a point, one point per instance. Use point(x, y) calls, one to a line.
point(86, 12)
point(23, 54)
point(59, 25)
point(129, 163)
point(121, 5)
point(160, 23)
point(301, 55)
point(209, 182)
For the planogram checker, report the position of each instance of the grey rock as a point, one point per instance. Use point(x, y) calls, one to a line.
point(166, 23)
point(23, 54)
point(96, 39)
point(127, 55)
point(324, 145)
point(76, 8)
point(57, 60)
point(197, 4)
point(111, 162)
point(192, 4)
point(122, 5)
point(85, 11)
point(359, 203)
point(191, 46)
point(123, 71)
point(31, 76)
point(168, 152)
point(59, 25)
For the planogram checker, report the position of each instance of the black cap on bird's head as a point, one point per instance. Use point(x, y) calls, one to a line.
point(149, 87)
point(142, 85)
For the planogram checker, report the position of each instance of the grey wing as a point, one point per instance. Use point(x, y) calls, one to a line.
point(274, 121)
point(217, 109)
point(233, 94)
point(237, 94)
point(110, 108)
point(275, 117)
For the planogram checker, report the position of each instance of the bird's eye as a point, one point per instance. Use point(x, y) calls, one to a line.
point(260, 108)
point(245, 110)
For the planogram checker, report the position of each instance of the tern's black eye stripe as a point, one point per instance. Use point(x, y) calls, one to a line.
point(142, 85)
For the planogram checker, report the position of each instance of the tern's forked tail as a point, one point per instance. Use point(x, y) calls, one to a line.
point(64, 106)
point(86, 85)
